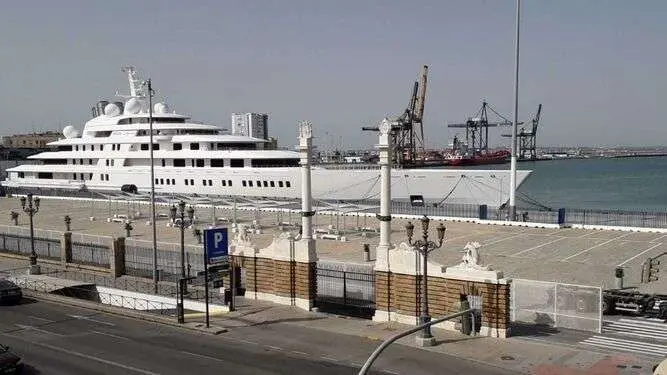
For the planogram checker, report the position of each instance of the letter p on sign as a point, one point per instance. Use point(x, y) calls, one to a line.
point(217, 238)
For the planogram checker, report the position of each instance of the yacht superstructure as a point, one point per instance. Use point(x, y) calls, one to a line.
point(112, 153)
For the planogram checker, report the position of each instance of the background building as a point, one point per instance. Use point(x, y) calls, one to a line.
point(34, 140)
point(251, 124)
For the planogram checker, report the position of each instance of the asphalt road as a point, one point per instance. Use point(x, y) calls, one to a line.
point(58, 339)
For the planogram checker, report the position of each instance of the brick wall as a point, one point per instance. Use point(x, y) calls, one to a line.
point(281, 278)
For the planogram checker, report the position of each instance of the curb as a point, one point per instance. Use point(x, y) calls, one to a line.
point(193, 326)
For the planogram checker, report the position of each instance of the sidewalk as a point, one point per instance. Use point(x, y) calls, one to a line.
point(520, 354)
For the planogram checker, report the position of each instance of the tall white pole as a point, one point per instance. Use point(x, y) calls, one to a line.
point(384, 146)
point(150, 147)
point(305, 147)
point(512, 208)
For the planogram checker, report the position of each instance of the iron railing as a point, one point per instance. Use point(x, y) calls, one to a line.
point(346, 289)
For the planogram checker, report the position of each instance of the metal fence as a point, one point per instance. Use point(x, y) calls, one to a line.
point(44, 247)
point(348, 289)
point(93, 254)
point(557, 305)
point(139, 260)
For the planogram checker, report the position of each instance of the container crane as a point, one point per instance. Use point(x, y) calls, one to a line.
point(477, 129)
point(408, 130)
point(527, 139)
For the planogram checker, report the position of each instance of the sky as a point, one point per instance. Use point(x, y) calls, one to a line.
point(597, 66)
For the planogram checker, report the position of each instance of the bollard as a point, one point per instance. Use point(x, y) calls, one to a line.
point(483, 212)
point(466, 320)
point(619, 277)
point(367, 253)
point(561, 216)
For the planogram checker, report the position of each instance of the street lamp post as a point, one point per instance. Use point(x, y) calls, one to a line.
point(424, 247)
point(31, 208)
point(173, 211)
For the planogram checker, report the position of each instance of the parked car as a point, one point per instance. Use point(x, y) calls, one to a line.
point(10, 363)
point(9, 292)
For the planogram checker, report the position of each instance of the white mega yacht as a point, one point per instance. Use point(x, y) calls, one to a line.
point(111, 154)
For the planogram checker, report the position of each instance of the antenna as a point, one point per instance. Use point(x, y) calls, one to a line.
point(136, 84)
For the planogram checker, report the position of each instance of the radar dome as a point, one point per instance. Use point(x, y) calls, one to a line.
point(70, 132)
point(111, 109)
point(133, 106)
point(160, 108)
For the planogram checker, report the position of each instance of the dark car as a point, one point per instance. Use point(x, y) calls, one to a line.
point(9, 292)
point(10, 363)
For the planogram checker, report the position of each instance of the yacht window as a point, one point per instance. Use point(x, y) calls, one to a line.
point(259, 163)
point(92, 147)
point(21, 174)
point(224, 183)
point(73, 176)
point(106, 160)
point(118, 146)
point(280, 184)
point(101, 147)
point(168, 182)
point(186, 182)
point(161, 181)
point(250, 183)
point(266, 184)
point(90, 161)
point(194, 146)
point(203, 182)
point(90, 176)
point(45, 175)
point(64, 148)
point(212, 146)
point(217, 163)
point(259, 183)
point(192, 162)
point(210, 183)
point(192, 182)
point(287, 184)
point(236, 163)
point(82, 176)
point(81, 161)
point(177, 146)
point(157, 181)
point(229, 182)
point(84, 147)
point(113, 147)
point(55, 161)
point(173, 181)
point(164, 163)
point(243, 183)
point(144, 147)
point(273, 184)
point(200, 163)
point(156, 146)
point(179, 162)
point(76, 148)
point(112, 162)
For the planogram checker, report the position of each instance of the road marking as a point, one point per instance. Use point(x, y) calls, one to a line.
point(392, 372)
point(111, 335)
point(329, 359)
point(299, 353)
point(83, 317)
point(31, 328)
point(626, 345)
point(201, 356)
point(82, 355)
point(657, 238)
point(274, 347)
point(595, 246)
point(503, 239)
point(643, 252)
point(587, 234)
point(42, 319)
point(249, 342)
point(537, 247)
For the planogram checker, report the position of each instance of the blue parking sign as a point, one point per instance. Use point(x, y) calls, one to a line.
point(216, 245)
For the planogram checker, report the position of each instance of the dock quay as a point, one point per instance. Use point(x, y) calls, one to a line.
point(534, 251)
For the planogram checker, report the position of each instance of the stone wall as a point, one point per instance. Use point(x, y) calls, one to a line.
point(398, 292)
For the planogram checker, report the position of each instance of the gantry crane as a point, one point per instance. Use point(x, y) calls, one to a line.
point(527, 139)
point(408, 130)
point(477, 129)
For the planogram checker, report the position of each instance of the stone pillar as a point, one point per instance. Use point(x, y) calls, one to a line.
point(283, 272)
point(384, 146)
point(66, 248)
point(396, 287)
point(117, 261)
point(305, 146)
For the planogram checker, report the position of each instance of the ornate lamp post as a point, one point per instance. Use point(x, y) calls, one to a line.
point(173, 211)
point(31, 208)
point(68, 222)
point(424, 247)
